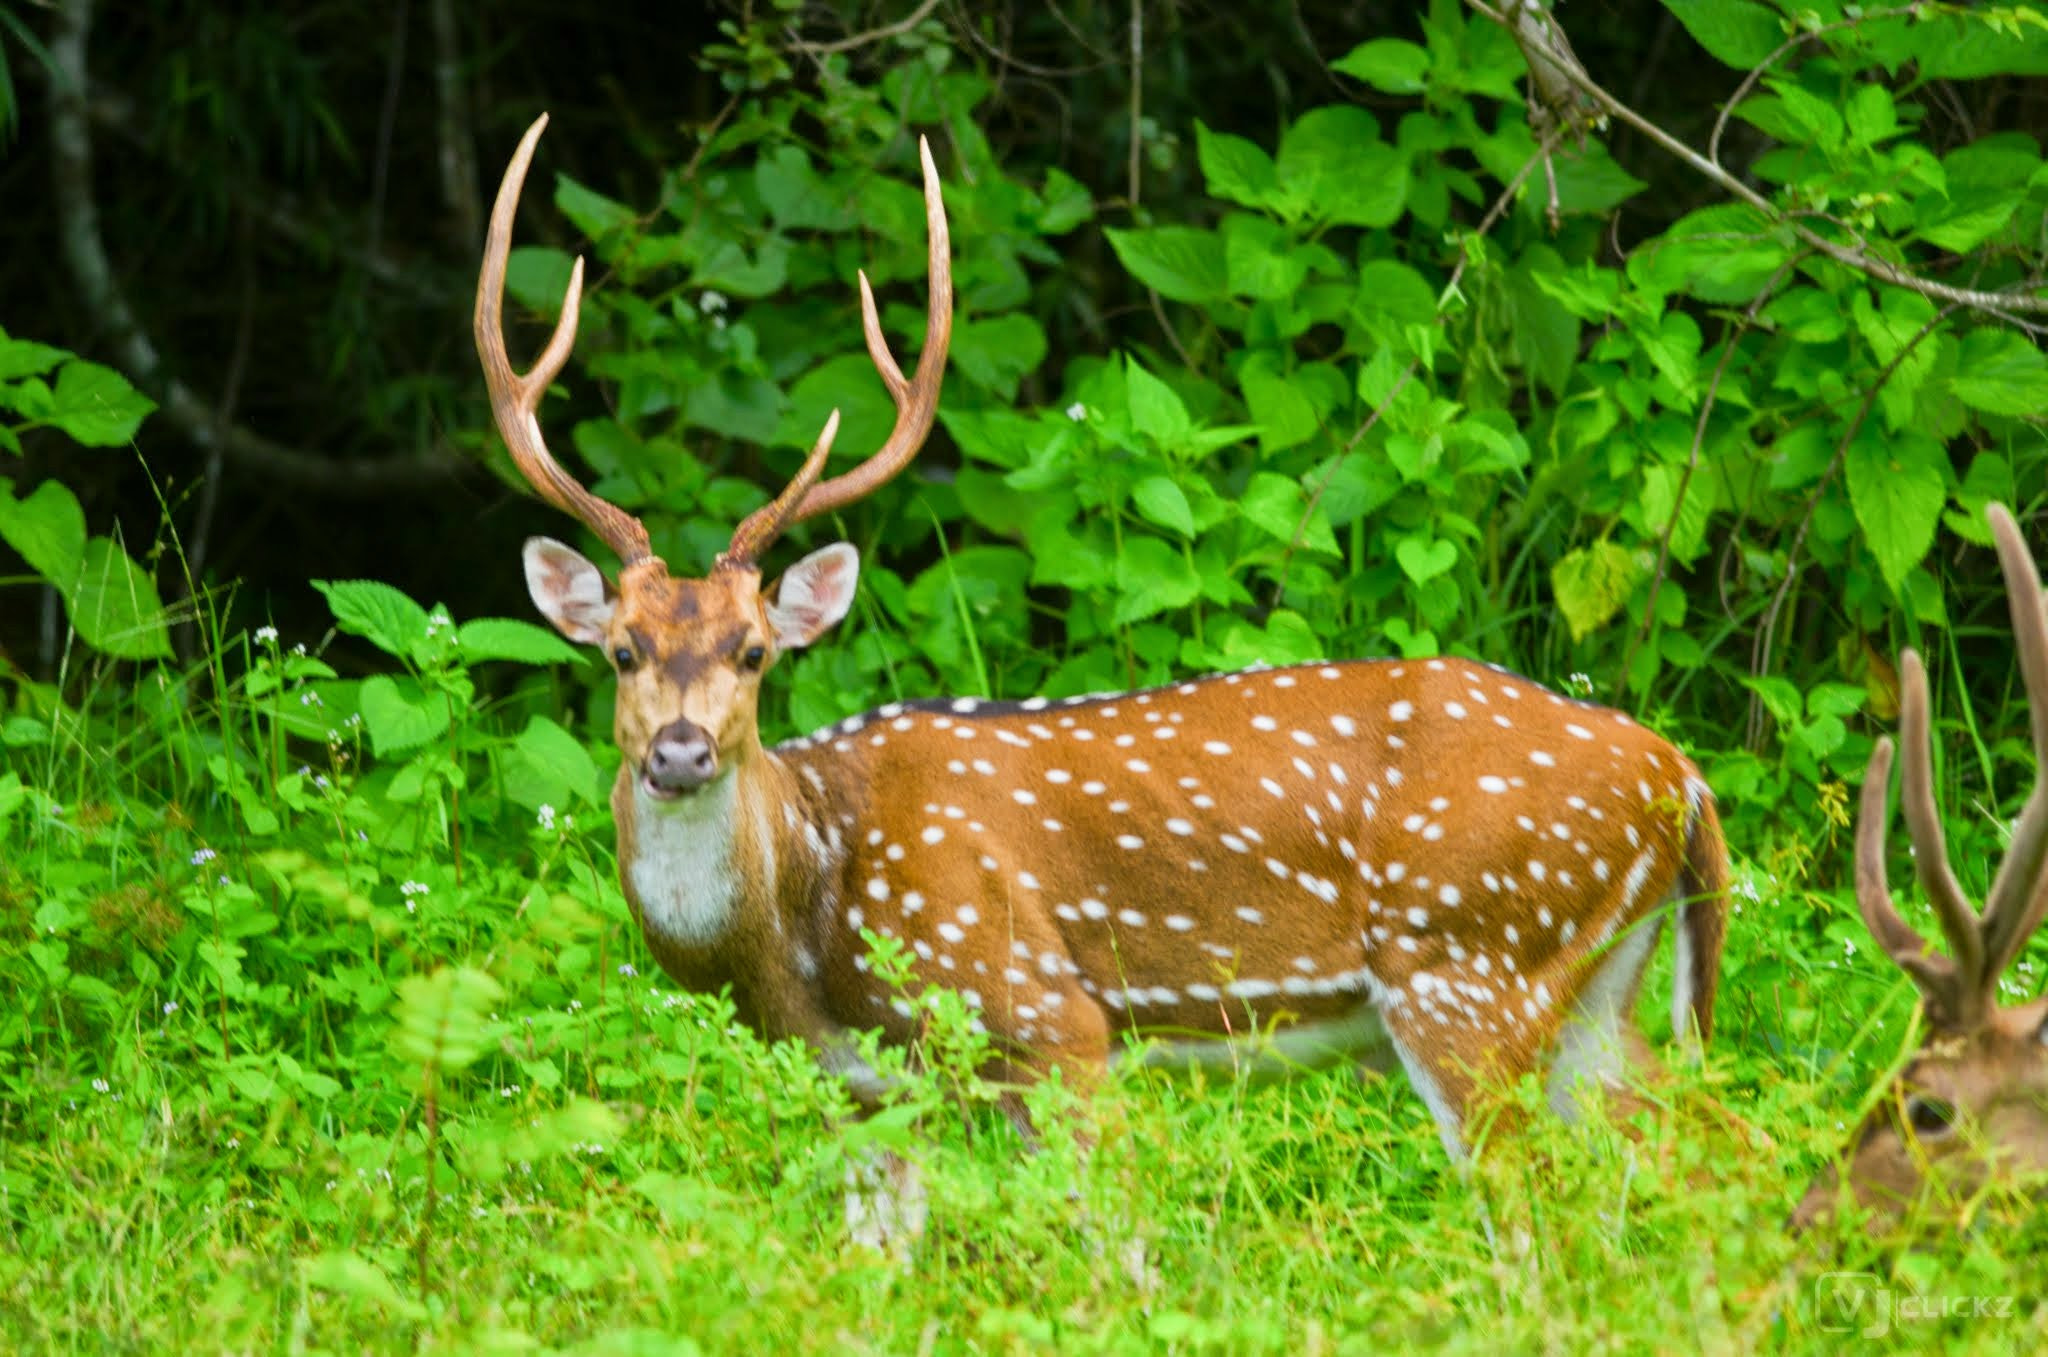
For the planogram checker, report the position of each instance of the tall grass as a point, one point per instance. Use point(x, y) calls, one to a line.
point(264, 988)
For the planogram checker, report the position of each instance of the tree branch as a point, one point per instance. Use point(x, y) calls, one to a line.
point(1885, 271)
point(85, 255)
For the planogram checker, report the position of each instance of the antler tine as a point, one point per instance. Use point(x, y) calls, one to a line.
point(1934, 973)
point(515, 399)
point(760, 528)
point(1959, 922)
point(917, 399)
point(2019, 892)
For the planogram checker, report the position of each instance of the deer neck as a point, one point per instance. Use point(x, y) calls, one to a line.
point(720, 880)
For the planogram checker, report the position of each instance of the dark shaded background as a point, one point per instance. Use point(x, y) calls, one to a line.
point(289, 196)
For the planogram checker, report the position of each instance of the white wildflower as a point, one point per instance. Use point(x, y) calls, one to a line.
point(202, 857)
point(1077, 412)
point(267, 635)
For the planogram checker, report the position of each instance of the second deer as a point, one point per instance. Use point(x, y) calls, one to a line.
point(1434, 864)
point(1972, 1105)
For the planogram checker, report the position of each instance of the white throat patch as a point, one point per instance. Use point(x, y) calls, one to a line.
point(682, 874)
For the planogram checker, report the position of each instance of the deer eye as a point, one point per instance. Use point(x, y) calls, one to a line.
point(1930, 1118)
point(623, 657)
point(753, 657)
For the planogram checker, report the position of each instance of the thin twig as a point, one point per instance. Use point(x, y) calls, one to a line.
point(1884, 271)
point(1137, 98)
point(873, 35)
point(1692, 461)
point(201, 537)
point(1760, 654)
point(1450, 289)
point(387, 122)
point(1749, 81)
point(455, 131)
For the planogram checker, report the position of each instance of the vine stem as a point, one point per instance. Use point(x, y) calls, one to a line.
point(1766, 637)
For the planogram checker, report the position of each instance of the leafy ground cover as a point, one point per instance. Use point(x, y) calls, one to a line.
point(339, 1051)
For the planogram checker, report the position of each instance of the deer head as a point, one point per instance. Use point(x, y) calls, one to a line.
point(1973, 1101)
point(690, 652)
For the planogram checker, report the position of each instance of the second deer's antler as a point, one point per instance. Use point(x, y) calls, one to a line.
point(1961, 988)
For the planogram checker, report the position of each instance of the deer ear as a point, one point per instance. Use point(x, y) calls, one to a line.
point(813, 594)
point(569, 591)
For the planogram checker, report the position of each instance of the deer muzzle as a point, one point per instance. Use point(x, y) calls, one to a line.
point(681, 759)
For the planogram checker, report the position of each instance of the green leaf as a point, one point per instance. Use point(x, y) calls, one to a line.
point(1067, 203)
point(1235, 169)
point(1422, 558)
point(1736, 33)
point(1260, 260)
point(115, 606)
point(24, 358)
point(1674, 349)
point(2001, 373)
point(1546, 332)
point(47, 529)
point(1278, 506)
point(1779, 696)
point(400, 714)
point(1334, 164)
point(349, 1274)
point(1724, 253)
point(1592, 181)
point(1175, 261)
point(96, 405)
point(998, 353)
point(547, 766)
point(537, 277)
point(595, 215)
point(1591, 584)
point(1282, 410)
point(794, 194)
point(1897, 488)
point(1156, 410)
point(443, 1019)
point(505, 638)
point(846, 383)
point(378, 613)
point(1388, 64)
point(1151, 576)
point(1162, 502)
point(1871, 115)
point(1387, 287)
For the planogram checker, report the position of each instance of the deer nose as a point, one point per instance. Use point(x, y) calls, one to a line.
point(681, 760)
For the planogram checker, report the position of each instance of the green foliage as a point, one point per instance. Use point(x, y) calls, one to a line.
point(294, 955)
point(111, 600)
point(430, 1089)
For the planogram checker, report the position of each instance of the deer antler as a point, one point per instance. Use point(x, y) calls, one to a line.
point(1960, 989)
point(917, 400)
point(515, 399)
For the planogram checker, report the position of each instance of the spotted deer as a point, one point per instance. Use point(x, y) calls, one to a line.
point(1972, 1103)
point(1434, 864)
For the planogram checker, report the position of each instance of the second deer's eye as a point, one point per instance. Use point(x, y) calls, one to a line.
point(753, 657)
point(623, 658)
point(1931, 1118)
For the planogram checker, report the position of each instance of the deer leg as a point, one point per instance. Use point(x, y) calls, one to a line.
point(886, 1205)
point(1599, 1047)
